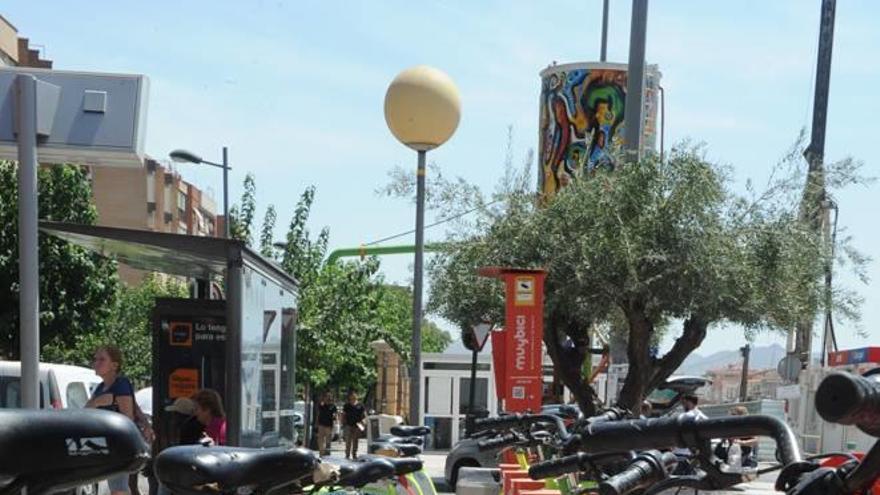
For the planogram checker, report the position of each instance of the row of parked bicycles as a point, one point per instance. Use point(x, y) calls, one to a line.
point(608, 454)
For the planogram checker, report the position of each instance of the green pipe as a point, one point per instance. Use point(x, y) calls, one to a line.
point(380, 250)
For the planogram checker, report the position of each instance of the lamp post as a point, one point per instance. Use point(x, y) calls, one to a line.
point(184, 156)
point(422, 110)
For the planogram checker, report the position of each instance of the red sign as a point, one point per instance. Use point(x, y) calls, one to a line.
point(522, 386)
point(854, 356)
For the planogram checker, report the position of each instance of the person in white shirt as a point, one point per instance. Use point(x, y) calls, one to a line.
point(689, 403)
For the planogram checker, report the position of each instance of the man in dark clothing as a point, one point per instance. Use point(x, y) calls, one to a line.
point(353, 415)
point(326, 419)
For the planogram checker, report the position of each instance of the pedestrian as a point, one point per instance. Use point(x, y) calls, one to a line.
point(327, 413)
point(746, 445)
point(689, 402)
point(353, 415)
point(188, 430)
point(210, 413)
point(116, 394)
point(647, 409)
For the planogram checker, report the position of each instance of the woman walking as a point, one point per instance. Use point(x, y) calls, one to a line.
point(114, 393)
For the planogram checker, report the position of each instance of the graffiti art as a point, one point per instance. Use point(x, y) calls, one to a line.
point(581, 121)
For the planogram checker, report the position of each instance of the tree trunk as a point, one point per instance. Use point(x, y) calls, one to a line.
point(692, 335)
point(638, 353)
point(645, 372)
point(568, 360)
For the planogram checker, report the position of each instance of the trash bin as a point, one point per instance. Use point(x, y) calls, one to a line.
point(477, 481)
point(380, 424)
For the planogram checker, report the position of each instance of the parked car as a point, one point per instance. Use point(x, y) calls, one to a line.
point(144, 399)
point(61, 385)
point(665, 398)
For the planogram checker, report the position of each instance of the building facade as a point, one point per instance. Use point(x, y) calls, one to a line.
point(153, 197)
point(760, 384)
point(16, 51)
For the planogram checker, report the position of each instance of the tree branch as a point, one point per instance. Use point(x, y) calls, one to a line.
point(693, 333)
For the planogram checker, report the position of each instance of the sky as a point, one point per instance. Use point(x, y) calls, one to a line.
point(295, 90)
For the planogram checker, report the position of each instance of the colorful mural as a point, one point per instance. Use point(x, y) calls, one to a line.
point(581, 120)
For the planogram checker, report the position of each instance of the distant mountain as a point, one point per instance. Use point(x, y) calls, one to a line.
point(759, 358)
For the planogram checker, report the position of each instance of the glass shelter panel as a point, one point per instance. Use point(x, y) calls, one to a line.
point(267, 361)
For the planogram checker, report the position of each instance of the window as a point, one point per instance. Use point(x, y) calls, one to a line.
point(77, 395)
point(268, 383)
point(10, 392)
point(454, 366)
point(438, 395)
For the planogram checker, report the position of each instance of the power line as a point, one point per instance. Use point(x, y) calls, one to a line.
point(439, 222)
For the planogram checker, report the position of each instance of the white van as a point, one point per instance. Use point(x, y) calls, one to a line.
point(61, 385)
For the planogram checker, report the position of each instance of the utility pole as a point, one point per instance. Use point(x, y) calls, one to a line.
point(744, 379)
point(603, 53)
point(815, 203)
point(635, 81)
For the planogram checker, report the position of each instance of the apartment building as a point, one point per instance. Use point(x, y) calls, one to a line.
point(17, 51)
point(154, 197)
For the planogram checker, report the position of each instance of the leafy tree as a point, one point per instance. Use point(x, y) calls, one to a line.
point(129, 328)
point(397, 319)
point(77, 288)
point(241, 218)
point(647, 244)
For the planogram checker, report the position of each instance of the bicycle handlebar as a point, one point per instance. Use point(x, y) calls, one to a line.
point(683, 431)
point(848, 399)
point(497, 442)
point(521, 421)
point(647, 468)
point(558, 467)
point(575, 463)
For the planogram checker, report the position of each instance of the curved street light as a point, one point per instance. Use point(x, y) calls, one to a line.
point(184, 156)
point(422, 110)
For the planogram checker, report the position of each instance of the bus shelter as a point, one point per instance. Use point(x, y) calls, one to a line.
point(242, 344)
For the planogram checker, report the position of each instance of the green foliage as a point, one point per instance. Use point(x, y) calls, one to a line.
point(266, 247)
point(77, 288)
point(241, 218)
point(396, 317)
point(128, 328)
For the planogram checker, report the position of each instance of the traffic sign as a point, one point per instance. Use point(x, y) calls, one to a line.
point(481, 334)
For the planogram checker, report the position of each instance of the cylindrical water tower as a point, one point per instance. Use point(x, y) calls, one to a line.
point(581, 119)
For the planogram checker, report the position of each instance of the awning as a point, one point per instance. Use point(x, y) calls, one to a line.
point(175, 254)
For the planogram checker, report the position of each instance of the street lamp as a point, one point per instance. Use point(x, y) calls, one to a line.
point(422, 110)
point(184, 156)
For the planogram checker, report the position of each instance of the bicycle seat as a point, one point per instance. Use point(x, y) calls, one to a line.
point(390, 449)
point(402, 465)
point(186, 469)
point(358, 474)
point(410, 431)
point(46, 451)
point(397, 439)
